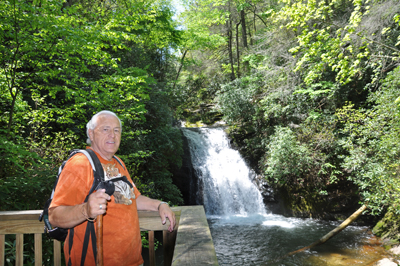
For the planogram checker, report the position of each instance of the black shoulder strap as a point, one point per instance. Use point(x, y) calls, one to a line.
point(98, 172)
point(119, 161)
point(71, 238)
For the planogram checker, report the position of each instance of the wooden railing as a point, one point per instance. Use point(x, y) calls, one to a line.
point(190, 244)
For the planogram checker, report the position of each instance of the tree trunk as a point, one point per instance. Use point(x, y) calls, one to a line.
point(254, 20)
point(237, 50)
point(332, 233)
point(244, 29)
point(244, 39)
point(180, 68)
point(11, 114)
point(229, 33)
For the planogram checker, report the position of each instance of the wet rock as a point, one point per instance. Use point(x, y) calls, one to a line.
point(185, 177)
point(395, 250)
point(386, 262)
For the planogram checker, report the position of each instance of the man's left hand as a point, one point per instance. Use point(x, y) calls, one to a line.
point(166, 212)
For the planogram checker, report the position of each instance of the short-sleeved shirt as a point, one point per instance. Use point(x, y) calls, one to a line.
point(121, 232)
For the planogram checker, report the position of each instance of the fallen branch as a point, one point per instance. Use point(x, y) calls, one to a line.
point(332, 233)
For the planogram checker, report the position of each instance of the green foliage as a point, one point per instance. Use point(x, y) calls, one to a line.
point(316, 89)
point(145, 241)
point(236, 100)
point(60, 63)
point(288, 161)
point(373, 146)
point(29, 245)
point(29, 168)
point(194, 100)
point(202, 14)
point(305, 155)
point(322, 45)
point(162, 148)
point(302, 164)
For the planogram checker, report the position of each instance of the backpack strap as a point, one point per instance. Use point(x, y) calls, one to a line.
point(119, 161)
point(71, 238)
point(98, 172)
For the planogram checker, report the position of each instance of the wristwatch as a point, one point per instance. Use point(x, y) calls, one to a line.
point(162, 202)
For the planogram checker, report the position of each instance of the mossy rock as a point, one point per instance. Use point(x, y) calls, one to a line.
point(305, 202)
point(389, 226)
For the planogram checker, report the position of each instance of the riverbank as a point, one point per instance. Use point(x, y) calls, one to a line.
point(393, 259)
point(371, 251)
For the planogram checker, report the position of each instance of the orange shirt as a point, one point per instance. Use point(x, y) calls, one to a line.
point(121, 232)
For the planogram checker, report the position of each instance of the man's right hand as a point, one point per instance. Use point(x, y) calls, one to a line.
point(71, 216)
point(97, 203)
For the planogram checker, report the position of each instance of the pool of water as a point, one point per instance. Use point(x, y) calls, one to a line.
point(265, 239)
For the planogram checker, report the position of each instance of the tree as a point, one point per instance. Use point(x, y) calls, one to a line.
point(334, 37)
point(60, 63)
point(197, 19)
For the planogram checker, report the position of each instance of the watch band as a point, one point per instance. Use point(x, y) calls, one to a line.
point(162, 202)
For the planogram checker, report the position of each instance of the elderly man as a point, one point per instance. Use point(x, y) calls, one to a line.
point(121, 232)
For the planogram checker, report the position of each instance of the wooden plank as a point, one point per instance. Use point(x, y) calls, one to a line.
point(17, 222)
point(194, 245)
point(21, 227)
point(152, 252)
point(20, 215)
point(2, 245)
point(19, 249)
point(38, 249)
point(151, 221)
point(57, 252)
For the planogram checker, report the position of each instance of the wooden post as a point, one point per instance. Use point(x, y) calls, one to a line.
point(38, 249)
point(19, 249)
point(168, 246)
point(194, 245)
point(57, 252)
point(2, 244)
point(152, 253)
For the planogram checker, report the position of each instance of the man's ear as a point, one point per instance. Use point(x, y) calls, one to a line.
point(91, 134)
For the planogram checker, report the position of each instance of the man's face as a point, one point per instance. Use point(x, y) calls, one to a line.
point(106, 137)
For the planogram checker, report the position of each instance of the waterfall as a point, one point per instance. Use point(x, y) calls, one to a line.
point(243, 233)
point(225, 181)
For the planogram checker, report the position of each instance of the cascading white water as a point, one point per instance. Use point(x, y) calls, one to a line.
point(225, 179)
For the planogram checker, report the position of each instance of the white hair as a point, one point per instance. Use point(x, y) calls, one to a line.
point(91, 125)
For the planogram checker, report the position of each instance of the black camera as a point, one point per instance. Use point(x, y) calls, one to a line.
point(108, 186)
